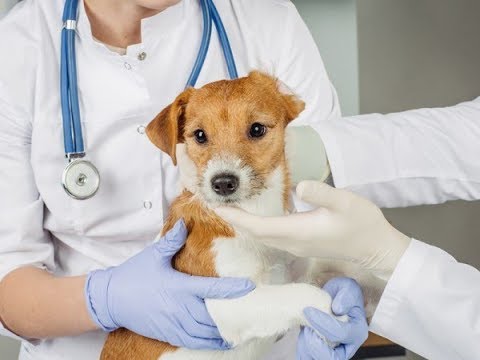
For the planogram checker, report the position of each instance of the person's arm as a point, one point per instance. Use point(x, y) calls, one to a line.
point(342, 226)
point(33, 304)
point(23, 241)
point(431, 305)
point(430, 302)
point(144, 294)
point(425, 156)
point(36, 305)
point(298, 64)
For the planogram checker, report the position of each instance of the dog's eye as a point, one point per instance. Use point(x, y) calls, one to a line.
point(200, 136)
point(257, 130)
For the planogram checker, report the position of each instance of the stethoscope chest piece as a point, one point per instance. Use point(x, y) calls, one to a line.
point(81, 179)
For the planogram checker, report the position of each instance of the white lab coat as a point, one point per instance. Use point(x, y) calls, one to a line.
point(431, 304)
point(39, 224)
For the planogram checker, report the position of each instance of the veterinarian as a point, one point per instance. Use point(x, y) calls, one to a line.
point(431, 302)
point(76, 265)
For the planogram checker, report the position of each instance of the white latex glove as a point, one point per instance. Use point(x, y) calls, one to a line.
point(301, 143)
point(344, 227)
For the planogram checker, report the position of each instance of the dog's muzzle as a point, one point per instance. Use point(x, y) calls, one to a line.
point(227, 179)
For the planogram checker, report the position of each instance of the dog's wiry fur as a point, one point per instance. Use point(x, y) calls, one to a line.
point(225, 111)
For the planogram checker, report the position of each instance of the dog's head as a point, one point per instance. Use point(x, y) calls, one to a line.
point(234, 134)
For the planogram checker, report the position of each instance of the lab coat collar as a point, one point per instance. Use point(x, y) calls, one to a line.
point(153, 28)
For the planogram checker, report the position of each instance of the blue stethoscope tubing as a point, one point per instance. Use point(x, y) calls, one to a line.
point(72, 126)
point(72, 129)
point(211, 15)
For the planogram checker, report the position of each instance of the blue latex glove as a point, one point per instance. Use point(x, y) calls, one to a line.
point(147, 296)
point(347, 300)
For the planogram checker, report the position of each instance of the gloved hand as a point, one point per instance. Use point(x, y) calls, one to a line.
point(344, 227)
point(300, 143)
point(147, 296)
point(347, 300)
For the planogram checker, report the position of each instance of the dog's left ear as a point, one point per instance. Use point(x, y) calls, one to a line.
point(292, 103)
point(166, 130)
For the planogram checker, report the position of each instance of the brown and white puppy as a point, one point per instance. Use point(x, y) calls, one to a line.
point(234, 134)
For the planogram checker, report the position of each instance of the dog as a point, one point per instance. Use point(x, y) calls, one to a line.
point(234, 136)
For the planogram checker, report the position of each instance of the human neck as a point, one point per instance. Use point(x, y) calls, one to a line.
point(118, 22)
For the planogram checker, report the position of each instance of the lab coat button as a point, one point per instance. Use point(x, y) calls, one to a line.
point(147, 205)
point(142, 56)
point(127, 66)
point(141, 129)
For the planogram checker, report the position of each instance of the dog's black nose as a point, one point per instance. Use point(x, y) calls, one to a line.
point(225, 184)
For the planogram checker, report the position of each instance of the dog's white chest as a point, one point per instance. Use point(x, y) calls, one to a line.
point(240, 257)
point(244, 256)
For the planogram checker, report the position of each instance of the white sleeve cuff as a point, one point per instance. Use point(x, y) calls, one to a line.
point(398, 288)
point(334, 154)
point(430, 305)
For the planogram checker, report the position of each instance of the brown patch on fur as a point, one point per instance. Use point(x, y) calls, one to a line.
point(225, 111)
point(204, 226)
point(195, 258)
point(123, 344)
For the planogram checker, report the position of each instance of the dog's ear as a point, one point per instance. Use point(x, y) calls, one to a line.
point(166, 130)
point(292, 103)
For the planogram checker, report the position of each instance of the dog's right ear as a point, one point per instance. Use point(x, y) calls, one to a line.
point(292, 103)
point(166, 130)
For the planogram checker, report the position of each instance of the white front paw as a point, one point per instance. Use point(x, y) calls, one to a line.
point(268, 311)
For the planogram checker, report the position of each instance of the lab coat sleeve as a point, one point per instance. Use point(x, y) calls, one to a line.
point(425, 156)
point(431, 305)
point(298, 64)
point(23, 240)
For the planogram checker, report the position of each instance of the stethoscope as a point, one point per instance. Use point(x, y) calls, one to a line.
point(81, 179)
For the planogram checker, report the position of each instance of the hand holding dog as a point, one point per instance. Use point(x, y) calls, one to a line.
point(344, 226)
point(147, 296)
point(347, 300)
